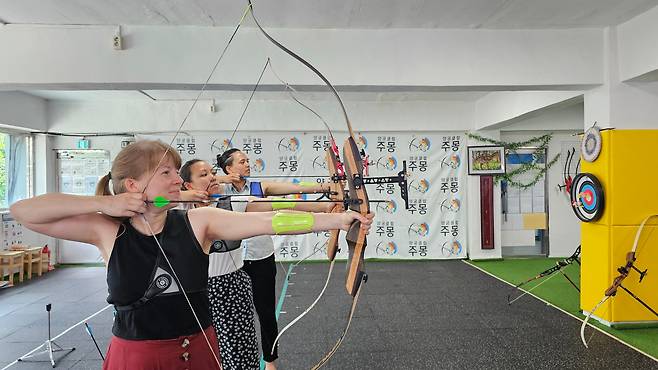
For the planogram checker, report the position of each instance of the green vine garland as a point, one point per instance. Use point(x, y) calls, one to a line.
point(542, 146)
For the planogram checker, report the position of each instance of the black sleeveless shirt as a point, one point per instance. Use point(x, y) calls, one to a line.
point(223, 246)
point(136, 266)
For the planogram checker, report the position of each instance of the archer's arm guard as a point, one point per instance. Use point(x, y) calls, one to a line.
point(285, 223)
point(283, 203)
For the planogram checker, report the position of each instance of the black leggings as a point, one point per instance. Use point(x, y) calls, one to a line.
point(263, 280)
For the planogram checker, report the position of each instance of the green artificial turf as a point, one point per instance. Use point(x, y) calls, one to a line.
point(560, 293)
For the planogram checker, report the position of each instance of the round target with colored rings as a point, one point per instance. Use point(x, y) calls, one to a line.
point(590, 147)
point(587, 197)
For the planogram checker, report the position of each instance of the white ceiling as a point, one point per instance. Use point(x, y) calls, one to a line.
point(374, 14)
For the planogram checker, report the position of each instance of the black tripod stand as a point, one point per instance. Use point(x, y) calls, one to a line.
point(50, 347)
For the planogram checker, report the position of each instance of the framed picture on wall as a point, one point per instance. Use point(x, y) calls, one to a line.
point(486, 160)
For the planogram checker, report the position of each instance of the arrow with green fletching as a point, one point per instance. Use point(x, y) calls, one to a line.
point(161, 201)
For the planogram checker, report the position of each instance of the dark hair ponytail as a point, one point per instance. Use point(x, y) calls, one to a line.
point(226, 159)
point(186, 172)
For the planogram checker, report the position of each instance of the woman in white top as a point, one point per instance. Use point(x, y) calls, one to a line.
point(259, 261)
point(229, 287)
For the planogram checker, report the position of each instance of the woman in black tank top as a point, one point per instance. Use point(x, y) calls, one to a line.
point(157, 257)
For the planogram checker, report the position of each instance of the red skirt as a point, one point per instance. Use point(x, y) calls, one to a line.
point(186, 352)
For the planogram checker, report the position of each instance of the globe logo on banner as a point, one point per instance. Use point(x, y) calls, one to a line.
point(219, 146)
point(258, 166)
point(421, 186)
point(289, 144)
point(362, 142)
point(387, 248)
point(450, 204)
point(451, 248)
point(419, 229)
point(453, 161)
point(387, 162)
point(320, 247)
point(389, 207)
point(420, 144)
point(319, 163)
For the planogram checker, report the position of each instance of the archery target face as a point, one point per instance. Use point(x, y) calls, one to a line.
point(590, 147)
point(587, 197)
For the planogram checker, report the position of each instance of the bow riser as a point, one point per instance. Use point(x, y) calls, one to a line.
point(356, 238)
point(332, 243)
point(354, 169)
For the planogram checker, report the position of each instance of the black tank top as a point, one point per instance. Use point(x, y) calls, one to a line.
point(135, 265)
point(223, 246)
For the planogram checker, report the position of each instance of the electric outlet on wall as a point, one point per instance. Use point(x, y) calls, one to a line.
point(117, 40)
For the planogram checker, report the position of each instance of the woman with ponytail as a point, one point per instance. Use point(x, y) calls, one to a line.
point(157, 257)
point(229, 287)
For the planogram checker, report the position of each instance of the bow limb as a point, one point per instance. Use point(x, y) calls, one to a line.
point(333, 350)
point(336, 172)
point(543, 274)
point(356, 239)
point(307, 310)
point(317, 72)
point(624, 272)
point(557, 268)
point(589, 315)
point(305, 63)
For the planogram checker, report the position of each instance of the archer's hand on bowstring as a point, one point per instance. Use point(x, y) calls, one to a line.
point(231, 178)
point(123, 205)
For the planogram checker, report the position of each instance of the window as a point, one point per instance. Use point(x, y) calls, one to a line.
point(15, 168)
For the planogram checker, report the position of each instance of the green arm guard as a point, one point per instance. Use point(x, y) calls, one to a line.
point(282, 204)
point(291, 222)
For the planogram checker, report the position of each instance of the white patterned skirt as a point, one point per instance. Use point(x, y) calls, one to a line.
point(231, 307)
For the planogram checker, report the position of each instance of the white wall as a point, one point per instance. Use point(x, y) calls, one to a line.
point(559, 118)
point(638, 37)
point(163, 56)
point(497, 109)
point(22, 111)
point(270, 115)
point(618, 104)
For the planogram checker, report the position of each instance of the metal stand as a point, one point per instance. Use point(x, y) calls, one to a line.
point(51, 347)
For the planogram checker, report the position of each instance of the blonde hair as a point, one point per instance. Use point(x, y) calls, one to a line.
point(134, 161)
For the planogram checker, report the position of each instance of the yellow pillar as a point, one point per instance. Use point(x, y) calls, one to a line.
point(628, 171)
